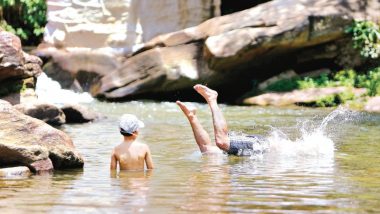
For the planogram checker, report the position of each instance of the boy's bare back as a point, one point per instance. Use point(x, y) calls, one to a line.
point(131, 156)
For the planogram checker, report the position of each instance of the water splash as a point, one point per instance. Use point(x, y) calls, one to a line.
point(51, 91)
point(315, 136)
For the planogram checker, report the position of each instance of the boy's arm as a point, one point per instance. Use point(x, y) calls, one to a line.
point(148, 159)
point(113, 161)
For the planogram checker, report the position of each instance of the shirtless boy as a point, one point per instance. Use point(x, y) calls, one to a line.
point(233, 145)
point(130, 154)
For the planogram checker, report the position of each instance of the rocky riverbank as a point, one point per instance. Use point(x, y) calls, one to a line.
point(30, 142)
point(315, 97)
point(25, 142)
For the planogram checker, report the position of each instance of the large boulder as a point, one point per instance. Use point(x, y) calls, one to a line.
point(18, 70)
point(33, 143)
point(15, 63)
point(46, 112)
point(238, 48)
point(153, 71)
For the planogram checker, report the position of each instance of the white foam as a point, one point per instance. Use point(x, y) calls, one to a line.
point(51, 91)
point(314, 140)
point(314, 144)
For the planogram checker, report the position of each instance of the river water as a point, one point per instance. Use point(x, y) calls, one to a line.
point(319, 161)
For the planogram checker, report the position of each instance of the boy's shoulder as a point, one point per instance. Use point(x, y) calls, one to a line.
point(140, 144)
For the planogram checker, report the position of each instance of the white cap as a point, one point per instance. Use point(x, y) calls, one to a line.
point(129, 123)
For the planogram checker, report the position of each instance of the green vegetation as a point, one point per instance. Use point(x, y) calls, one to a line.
point(371, 81)
point(283, 85)
point(366, 38)
point(25, 18)
point(348, 78)
point(334, 100)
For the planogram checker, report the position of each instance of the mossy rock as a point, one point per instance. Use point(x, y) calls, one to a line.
point(15, 86)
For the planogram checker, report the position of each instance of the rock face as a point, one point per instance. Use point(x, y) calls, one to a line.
point(299, 96)
point(77, 69)
point(48, 113)
point(17, 68)
point(155, 70)
point(30, 142)
point(121, 24)
point(14, 63)
point(237, 48)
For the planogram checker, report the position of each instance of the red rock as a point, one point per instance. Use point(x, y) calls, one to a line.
point(33, 143)
point(14, 62)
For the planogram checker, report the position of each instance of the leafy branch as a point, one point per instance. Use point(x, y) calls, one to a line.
point(366, 38)
point(25, 18)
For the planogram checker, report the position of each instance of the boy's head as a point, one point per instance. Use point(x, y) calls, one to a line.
point(129, 124)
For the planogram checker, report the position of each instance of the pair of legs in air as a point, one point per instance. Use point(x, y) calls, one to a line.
point(220, 126)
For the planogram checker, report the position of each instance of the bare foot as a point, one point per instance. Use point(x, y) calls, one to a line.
point(207, 93)
point(189, 112)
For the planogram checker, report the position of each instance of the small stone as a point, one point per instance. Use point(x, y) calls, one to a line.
point(22, 171)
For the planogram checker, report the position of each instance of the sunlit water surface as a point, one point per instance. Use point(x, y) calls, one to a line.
point(320, 161)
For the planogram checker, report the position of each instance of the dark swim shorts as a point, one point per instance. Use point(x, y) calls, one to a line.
point(247, 145)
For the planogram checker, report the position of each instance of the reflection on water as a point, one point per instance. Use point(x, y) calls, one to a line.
point(134, 186)
point(35, 194)
point(313, 166)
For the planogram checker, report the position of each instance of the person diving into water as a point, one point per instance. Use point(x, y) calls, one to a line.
point(240, 145)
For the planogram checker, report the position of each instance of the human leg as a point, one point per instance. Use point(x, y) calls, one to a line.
point(219, 122)
point(201, 136)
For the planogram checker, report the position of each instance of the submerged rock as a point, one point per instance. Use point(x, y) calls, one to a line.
point(33, 143)
point(300, 96)
point(48, 113)
point(79, 114)
point(14, 172)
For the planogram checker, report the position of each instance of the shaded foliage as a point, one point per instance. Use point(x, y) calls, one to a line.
point(25, 18)
point(366, 38)
point(348, 78)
